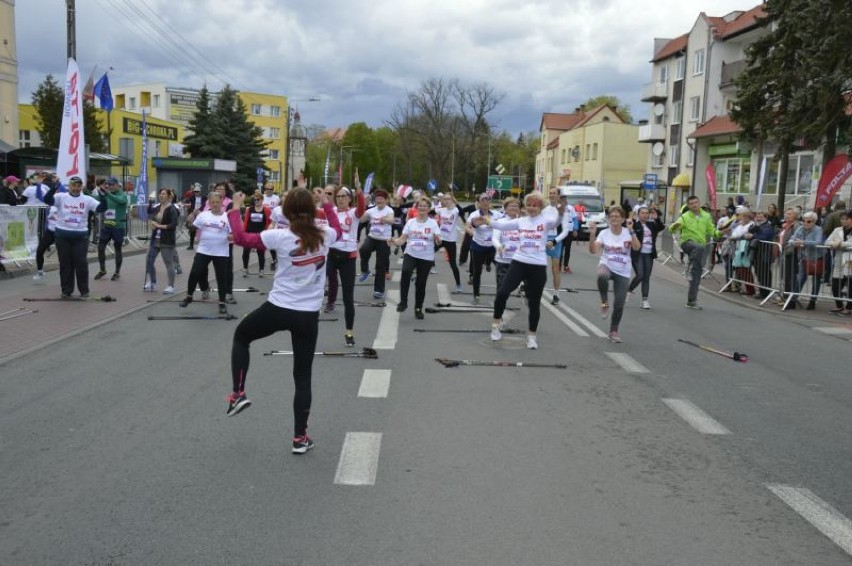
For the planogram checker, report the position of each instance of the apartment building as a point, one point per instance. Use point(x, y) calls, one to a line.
point(688, 130)
point(9, 135)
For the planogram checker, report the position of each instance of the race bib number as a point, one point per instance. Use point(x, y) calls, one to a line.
point(530, 246)
point(256, 216)
point(109, 215)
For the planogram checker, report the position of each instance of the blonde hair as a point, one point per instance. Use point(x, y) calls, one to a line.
point(535, 195)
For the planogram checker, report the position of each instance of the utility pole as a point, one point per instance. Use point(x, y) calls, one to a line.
point(71, 20)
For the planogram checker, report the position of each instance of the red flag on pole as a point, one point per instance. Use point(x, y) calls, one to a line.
point(710, 173)
point(833, 176)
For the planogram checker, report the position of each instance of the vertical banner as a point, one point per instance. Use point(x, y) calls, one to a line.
point(327, 162)
point(71, 161)
point(761, 177)
point(368, 184)
point(142, 181)
point(710, 174)
point(833, 176)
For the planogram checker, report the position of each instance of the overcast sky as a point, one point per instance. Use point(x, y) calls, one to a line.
point(361, 57)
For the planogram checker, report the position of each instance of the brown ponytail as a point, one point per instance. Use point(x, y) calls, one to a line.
point(300, 210)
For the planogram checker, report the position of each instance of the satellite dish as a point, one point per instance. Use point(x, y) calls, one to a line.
point(658, 149)
point(659, 109)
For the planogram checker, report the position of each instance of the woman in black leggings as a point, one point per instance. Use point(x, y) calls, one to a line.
point(293, 303)
point(214, 242)
point(342, 257)
point(449, 218)
point(481, 246)
point(422, 235)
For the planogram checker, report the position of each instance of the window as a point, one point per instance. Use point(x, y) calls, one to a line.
point(588, 151)
point(576, 153)
point(800, 175)
point(274, 176)
point(681, 68)
point(563, 154)
point(132, 105)
point(125, 148)
point(674, 156)
point(733, 174)
point(273, 154)
point(274, 133)
point(694, 108)
point(658, 160)
point(663, 76)
point(158, 146)
point(698, 63)
point(690, 157)
point(594, 152)
point(677, 111)
point(275, 111)
point(24, 138)
point(256, 109)
point(155, 101)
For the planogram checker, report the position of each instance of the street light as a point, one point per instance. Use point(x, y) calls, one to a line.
point(297, 140)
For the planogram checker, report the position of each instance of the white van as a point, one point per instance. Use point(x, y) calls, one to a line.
point(592, 201)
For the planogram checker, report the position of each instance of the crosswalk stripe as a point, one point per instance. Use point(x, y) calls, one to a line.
point(695, 417)
point(828, 520)
point(375, 383)
point(359, 459)
point(834, 330)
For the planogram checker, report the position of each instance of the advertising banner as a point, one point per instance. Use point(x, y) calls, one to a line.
point(18, 232)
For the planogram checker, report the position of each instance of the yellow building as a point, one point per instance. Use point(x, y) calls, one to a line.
point(8, 77)
point(269, 112)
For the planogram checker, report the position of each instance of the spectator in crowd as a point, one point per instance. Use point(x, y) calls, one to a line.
point(741, 250)
point(163, 220)
point(774, 216)
point(807, 239)
point(8, 191)
point(790, 254)
point(761, 236)
point(730, 208)
point(841, 240)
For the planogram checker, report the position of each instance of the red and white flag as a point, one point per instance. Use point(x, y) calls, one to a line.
point(71, 161)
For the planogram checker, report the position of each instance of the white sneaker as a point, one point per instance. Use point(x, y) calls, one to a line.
point(149, 287)
point(532, 343)
point(169, 290)
point(646, 304)
point(495, 332)
point(627, 298)
point(39, 278)
point(434, 270)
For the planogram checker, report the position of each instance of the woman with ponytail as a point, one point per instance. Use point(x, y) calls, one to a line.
point(293, 303)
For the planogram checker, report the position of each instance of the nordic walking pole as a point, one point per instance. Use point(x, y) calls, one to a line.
point(736, 356)
point(455, 363)
point(368, 353)
point(104, 299)
point(196, 317)
point(469, 330)
point(455, 306)
point(432, 310)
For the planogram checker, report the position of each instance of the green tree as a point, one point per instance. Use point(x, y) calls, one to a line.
point(238, 138)
point(621, 109)
point(48, 100)
point(199, 142)
point(93, 128)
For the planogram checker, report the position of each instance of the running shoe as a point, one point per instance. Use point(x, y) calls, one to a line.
point(349, 340)
point(645, 304)
point(229, 298)
point(401, 307)
point(378, 295)
point(614, 337)
point(223, 309)
point(476, 300)
point(418, 314)
point(329, 307)
point(245, 272)
point(604, 310)
point(459, 288)
point(66, 295)
point(274, 264)
point(205, 295)
point(363, 277)
point(434, 270)
point(84, 295)
point(149, 287)
point(39, 277)
point(495, 332)
point(627, 298)
point(178, 270)
point(301, 444)
point(237, 402)
point(185, 302)
point(100, 274)
point(532, 342)
point(693, 305)
point(555, 300)
point(169, 290)
point(116, 276)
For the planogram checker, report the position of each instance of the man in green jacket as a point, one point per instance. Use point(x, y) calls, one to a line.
point(696, 229)
point(113, 226)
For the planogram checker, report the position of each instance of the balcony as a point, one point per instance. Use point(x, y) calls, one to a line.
point(655, 92)
point(730, 72)
point(650, 133)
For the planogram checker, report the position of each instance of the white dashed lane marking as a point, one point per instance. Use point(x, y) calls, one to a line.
point(375, 383)
point(564, 319)
point(359, 459)
point(583, 320)
point(627, 362)
point(695, 417)
point(389, 324)
point(828, 520)
point(835, 330)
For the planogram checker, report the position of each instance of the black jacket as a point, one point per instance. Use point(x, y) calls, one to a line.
point(170, 219)
point(656, 226)
point(8, 196)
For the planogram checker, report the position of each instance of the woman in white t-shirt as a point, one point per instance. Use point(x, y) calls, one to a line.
point(214, 242)
point(615, 243)
point(421, 235)
point(343, 256)
point(293, 303)
point(448, 215)
point(506, 241)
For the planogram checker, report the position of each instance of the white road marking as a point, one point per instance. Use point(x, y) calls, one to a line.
point(828, 520)
point(627, 362)
point(389, 324)
point(565, 320)
point(834, 330)
point(375, 383)
point(695, 417)
point(444, 296)
point(396, 276)
point(584, 321)
point(359, 459)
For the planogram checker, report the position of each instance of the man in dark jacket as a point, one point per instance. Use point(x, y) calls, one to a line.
point(196, 202)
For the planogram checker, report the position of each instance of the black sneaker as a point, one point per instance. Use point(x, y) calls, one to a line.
point(115, 277)
point(66, 295)
point(301, 444)
point(694, 305)
point(185, 301)
point(555, 300)
point(401, 307)
point(100, 274)
point(418, 314)
point(236, 403)
point(223, 309)
point(84, 295)
point(349, 340)
point(229, 298)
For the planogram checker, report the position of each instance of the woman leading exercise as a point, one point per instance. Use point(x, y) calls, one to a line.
point(422, 236)
point(343, 256)
point(293, 303)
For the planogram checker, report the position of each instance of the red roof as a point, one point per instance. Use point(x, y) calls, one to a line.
point(673, 47)
point(560, 122)
point(741, 23)
point(554, 143)
point(716, 126)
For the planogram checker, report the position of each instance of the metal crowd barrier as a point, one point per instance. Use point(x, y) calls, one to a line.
point(753, 265)
point(812, 267)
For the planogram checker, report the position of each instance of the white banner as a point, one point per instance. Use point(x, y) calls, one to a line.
point(72, 145)
point(18, 232)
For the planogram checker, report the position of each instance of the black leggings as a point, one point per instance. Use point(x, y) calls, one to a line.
point(198, 274)
point(344, 263)
point(264, 321)
point(261, 258)
point(566, 249)
point(409, 264)
point(451, 253)
point(479, 256)
point(643, 263)
point(44, 242)
point(382, 250)
point(534, 278)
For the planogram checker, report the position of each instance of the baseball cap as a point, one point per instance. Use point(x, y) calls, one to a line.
point(75, 180)
point(112, 181)
point(11, 179)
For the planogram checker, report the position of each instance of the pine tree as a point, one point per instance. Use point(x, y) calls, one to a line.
point(198, 143)
point(238, 139)
point(95, 137)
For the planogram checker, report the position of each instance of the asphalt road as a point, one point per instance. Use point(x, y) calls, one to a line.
point(116, 449)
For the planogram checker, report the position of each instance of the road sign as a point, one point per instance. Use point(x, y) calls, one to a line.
point(500, 169)
point(649, 181)
point(500, 182)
